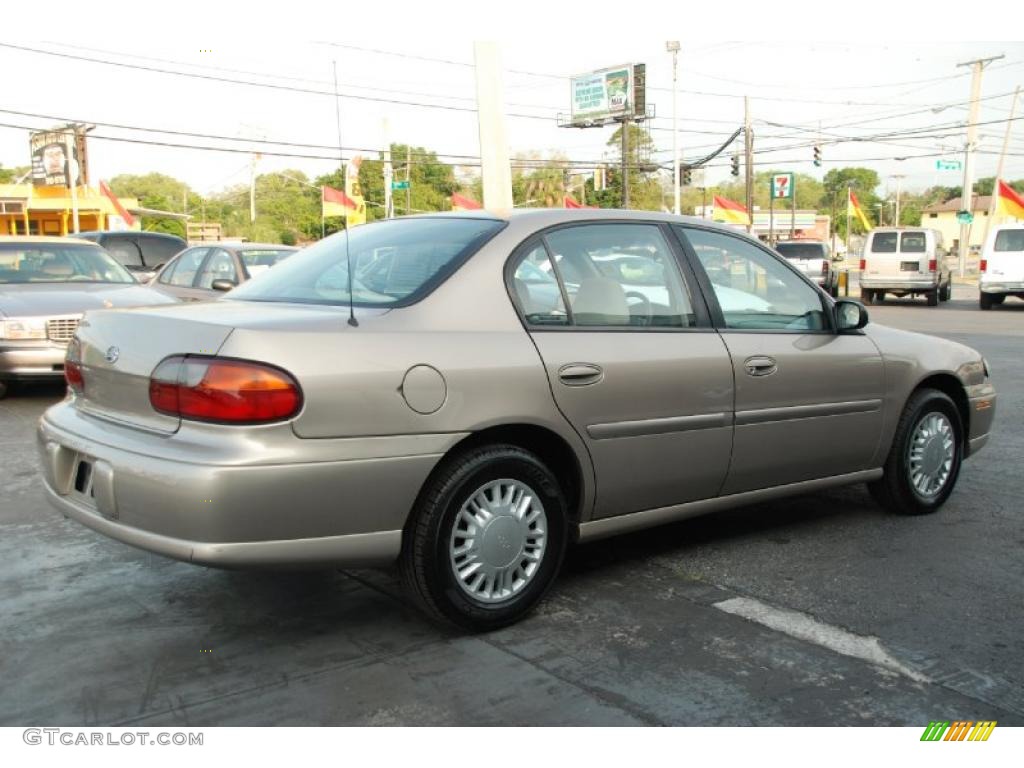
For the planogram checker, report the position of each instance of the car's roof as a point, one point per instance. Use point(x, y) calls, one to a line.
point(132, 233)
point(260, 247)
point(45, 240)
point(808, 241)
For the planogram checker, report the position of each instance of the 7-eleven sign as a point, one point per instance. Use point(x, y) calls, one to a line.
point(782, 185)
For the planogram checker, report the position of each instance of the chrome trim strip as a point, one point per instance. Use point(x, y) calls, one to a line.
point(763, 415)
point(657, 426)
point(612, 526)
point(358, 549)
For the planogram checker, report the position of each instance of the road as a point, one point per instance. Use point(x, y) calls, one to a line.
point(859, 617)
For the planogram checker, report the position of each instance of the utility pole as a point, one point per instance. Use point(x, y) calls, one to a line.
point(849, 185)
point(967, 194)
point(999, 165)
point(673, 48)
point(748, 143)
point(408, 179)
point(389, 175)
point(73, 171)
point(252, 188)
point(625, 164)
point(899, 179)
point(495, 168)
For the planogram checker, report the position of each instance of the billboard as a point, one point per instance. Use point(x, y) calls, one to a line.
point(52, 164)
point(608, 94)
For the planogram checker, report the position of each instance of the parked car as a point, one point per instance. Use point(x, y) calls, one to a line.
point(205, 271)
point(46, 284)
point(905, 262)
point(431, 409)
point(1002, 266)
point(814, 259)
point(141, 253)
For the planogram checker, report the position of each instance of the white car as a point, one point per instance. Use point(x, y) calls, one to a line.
point(1002, 266)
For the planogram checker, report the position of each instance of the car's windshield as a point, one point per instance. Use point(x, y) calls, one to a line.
point(801, 250)
point(1009, 240)
point(59, 263)
point(257, 260)
point(391, 260)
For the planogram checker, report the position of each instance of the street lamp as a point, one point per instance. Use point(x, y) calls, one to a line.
point(880, 207)
point(672, 46)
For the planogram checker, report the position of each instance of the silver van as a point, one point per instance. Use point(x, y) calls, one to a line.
point(905, 261)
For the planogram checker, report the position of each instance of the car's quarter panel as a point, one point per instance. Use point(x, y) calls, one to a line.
point(913, 358)
point(658, 424)
point(819, 414)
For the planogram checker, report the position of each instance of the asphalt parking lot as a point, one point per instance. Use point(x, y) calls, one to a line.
point(638, 630)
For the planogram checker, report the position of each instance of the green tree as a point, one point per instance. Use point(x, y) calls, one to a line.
point(287, 208)
point(159, 192)
point(645, 190)
point(863, 182)
point(10, 175)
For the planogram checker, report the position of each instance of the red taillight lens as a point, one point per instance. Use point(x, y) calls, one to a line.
point(983, 266)
point(863, 264)
point(222, 390)
point(933, 265)
point(72, 367)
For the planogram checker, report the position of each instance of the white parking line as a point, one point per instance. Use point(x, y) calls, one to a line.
point(804, 627)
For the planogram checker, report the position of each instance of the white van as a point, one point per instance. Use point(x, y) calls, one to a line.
point(1002, 265)
point(905, 261)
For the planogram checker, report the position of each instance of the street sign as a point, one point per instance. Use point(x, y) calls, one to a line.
point(396, 185)
point(964, 217)
point(948, 165)
point(782, 186)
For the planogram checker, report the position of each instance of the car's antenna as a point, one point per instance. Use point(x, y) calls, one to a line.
point(344, 169)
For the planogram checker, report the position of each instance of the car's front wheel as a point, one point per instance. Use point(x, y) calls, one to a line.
point(487, 538)
point(924, 460)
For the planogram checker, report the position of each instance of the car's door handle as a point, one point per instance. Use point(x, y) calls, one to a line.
point(760, 366)
point(579, 374)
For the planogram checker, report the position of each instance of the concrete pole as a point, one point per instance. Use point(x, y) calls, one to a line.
point(72, 175)
point(748, 143)
point(899, 180)
point(967, 193)
point(999, 165)
point(389, 209)
point(674, 47)
point(625, 163)
point(490, 99)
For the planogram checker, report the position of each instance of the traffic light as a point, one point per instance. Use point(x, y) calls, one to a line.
point(684, 176)
point(735, 165)
point(817, 157)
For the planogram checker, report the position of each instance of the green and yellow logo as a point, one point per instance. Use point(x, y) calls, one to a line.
point(959, 730)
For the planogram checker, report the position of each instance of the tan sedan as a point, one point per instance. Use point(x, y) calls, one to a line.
point(481, 390)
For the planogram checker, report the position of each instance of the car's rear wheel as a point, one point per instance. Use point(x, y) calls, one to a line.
point(985, 300)
point(998, 298)
point(946, 293)
point(924, 460)
point(866, 295)
point(933, 297)
point(487, 538)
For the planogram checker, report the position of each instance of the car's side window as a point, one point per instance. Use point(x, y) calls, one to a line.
point(183, 272)
point(220, 266)
point(754, 289)
point(535, 285)
point(620, 275)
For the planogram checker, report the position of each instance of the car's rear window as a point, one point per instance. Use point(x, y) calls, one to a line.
point(912, 242)
point(1009, 240)
point(394, 262)
point(801, 250)
point(884, 242)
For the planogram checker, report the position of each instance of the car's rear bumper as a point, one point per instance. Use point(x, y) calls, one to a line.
point(40, 361)
point(891, 284)
point(1010, 286)
point(238, 510)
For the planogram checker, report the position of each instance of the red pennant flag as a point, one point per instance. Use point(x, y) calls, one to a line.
point(335, 202)
point(729, 211)
point(570, 202)
point(1010, 203)
point(461, 203)
point(121, 211)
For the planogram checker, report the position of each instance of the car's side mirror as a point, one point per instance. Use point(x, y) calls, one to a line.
point(850, 315)
point(222, 285)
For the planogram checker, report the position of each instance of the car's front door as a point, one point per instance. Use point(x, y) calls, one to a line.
point(808, 400)
point(632, 360)
point(178, 278)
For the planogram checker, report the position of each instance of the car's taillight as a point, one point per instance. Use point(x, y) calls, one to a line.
point(863, 264)
point(223, 390)
point(73, 368)
point(933, 265)
point(983, 266)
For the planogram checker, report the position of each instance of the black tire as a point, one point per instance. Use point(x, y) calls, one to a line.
point(878, 296)
point(894, 491)
point(425, 562)
point(866, 295)
point(998, 298)
point(946, 292)
point(985, 301)
point(3, 389)
point(933, 297)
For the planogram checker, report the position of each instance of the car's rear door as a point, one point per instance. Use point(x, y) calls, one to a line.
point(808, 400)
point(633, 362)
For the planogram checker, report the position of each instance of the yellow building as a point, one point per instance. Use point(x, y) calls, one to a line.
point(942, 216)
point(26, 209)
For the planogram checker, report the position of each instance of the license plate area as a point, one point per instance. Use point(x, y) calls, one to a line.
point(84, 478)
point(910, 266)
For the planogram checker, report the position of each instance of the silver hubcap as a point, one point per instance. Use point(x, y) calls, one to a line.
point(498, 540)
point(932, 448)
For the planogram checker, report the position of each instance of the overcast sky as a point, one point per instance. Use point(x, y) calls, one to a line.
point(854, 89)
